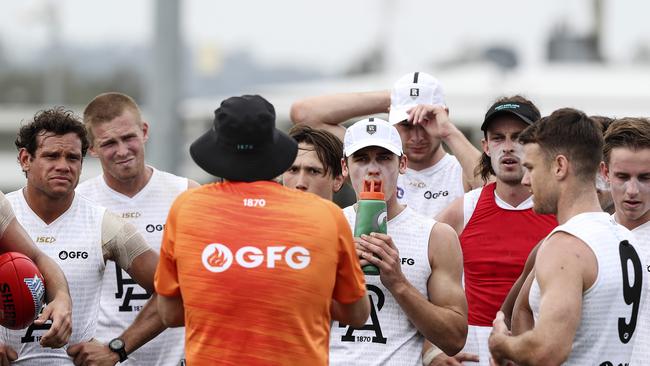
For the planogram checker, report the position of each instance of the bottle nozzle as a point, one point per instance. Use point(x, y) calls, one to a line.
point(372, 189)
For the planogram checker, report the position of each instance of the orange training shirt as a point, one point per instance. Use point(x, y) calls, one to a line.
point(257, 265)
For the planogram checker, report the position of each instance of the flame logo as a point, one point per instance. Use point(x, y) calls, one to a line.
point(216, 257)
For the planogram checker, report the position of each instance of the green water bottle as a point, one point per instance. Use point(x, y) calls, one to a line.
point(371, 215)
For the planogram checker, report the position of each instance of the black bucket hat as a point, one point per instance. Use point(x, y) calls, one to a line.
point(243, 143)
point(524, 111)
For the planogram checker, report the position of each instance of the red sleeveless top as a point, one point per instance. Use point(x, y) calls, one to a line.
point(495, 244)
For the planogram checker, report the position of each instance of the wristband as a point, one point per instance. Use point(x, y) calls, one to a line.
point(432, 353)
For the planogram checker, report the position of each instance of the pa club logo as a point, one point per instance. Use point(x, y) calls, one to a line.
point(371, 129)
point(216, 257)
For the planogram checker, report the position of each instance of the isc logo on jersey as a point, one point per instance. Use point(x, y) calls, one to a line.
point(218, 257)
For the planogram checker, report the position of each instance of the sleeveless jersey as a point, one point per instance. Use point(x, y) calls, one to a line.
point(73, 241)
point(641, 350)
point(430, 190)
point(388, 338)
point(121, 297)
point(495, 244)
point(607, 327)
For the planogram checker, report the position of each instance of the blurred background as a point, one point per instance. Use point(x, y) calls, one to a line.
point(180, 58)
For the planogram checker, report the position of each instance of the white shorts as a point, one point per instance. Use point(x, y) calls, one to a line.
point(477, 343)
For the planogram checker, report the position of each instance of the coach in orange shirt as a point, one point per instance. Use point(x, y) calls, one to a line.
point(255, 271)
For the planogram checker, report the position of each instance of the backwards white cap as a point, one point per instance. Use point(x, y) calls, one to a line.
point(412, 89)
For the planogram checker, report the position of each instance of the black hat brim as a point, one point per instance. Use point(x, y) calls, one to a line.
point(263, 163)
point(495, 114)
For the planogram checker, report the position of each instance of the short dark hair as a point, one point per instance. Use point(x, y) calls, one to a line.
point(58, 121)
point(571, 133)
point(603, 121)
point(107, 106)
point(328, 147)
point(630, 132)
point(484, 167)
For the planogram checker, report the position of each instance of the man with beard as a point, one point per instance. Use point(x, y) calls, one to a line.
point(496, 225)
point(82, 238)
point(519, 318)
point(626, 170)
point(588, 278)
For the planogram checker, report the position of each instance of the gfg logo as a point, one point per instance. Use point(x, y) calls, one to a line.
point(218, 257)
point(151, 228)
point(63, 255)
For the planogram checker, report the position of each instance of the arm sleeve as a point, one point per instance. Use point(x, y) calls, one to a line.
point(166, 278)
point(121, 241)
point(6, 214)
point(350, 282)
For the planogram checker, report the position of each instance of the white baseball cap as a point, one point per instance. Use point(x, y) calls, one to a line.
point(372, 132)
point(412, 89)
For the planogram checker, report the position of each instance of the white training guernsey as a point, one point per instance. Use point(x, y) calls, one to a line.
point(121, 297)
point(606, 332)
point(430, 190)
point(470, 200)
point(388, 338)
point(641, 349)
point(73, 241)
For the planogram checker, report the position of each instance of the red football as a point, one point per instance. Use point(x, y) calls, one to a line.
point(22, 291)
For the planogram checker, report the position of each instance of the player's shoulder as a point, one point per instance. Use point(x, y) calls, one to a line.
point(443, 242)
point(90, 188)
point(562, 245)
point(309, 199)
point(89, 183)
point(11, 196)
point(170, 182)
point(219, 194)
point(193, 193)
point(473, 195)
point(312, 205)
point(82, 202)
point(450, 165)
point(468, 200)
point(451, 160)
point(167, 176)
point(441, 231)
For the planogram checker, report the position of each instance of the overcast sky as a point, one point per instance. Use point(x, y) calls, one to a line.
point(329, 35)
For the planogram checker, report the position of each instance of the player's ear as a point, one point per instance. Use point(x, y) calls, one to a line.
point(484, 145)
point(560, 166)
point(604, 171)
point(145, 131)
point(403, 163)
point(91, 150)
point(338, 182)
point(24, 159)
point(344, 168)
